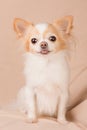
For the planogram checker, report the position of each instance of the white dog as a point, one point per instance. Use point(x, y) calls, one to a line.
point(47, 72)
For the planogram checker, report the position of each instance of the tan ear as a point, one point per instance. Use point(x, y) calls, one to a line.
point(20, 26)
point(64, 24)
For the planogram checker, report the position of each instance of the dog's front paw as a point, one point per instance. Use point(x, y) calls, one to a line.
point(31, 118)
point(62, 121)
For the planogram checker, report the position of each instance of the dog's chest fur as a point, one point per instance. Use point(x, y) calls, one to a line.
point(46, 71)
point(47, 76)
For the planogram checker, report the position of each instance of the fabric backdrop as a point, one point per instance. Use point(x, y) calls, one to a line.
point(11, 51)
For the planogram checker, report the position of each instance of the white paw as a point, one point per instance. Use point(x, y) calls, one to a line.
point(31, 118)
point(62, 121)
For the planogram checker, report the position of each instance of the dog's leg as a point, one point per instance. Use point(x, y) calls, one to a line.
point(30, 105)
point(63, 102)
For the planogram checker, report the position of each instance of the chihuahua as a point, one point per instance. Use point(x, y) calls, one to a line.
point(46, 70)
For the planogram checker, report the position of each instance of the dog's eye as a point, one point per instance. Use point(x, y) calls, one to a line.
point(34, 40)
point(52, 38)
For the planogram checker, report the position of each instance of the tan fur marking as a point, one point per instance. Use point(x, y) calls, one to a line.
point(31, 32)
point(54, 31)
point(20, 26)
point(27, 46)
point(65, 24)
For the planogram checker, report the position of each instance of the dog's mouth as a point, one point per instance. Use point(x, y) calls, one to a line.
point(44, 52)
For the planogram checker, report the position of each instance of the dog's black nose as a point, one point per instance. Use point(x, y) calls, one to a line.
point(44, 45)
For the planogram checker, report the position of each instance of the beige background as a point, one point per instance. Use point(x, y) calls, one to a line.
point(11, 60)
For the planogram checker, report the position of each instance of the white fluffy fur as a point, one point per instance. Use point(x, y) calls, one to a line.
point(46, 89)
point(41, 27)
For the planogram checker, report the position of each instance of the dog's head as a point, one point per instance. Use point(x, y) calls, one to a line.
point(44, 38)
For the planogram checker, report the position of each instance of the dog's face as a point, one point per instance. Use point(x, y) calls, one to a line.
point(44, 38)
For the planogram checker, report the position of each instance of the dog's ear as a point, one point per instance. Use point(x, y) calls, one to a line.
point(21, 26)
point(64, 24)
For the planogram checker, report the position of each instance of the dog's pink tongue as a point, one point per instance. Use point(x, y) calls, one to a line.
point(44, 51)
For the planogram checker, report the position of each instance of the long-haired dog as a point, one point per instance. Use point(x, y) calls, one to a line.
point(47, 72)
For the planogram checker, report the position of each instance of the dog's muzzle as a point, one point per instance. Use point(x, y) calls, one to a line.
point(44, 47)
